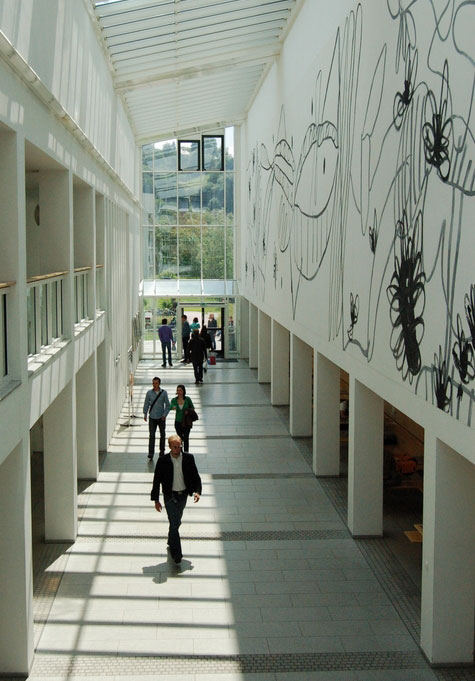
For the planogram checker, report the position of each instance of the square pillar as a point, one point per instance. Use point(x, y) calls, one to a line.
point(86, 420)
point(16, 571)
point(301, 369)
point(264, 346)
point(253, 336)
point(244, 323)
point(60, 467)
point(365, 461)
point(448, 555)
point(326, 417)
point(280, 364)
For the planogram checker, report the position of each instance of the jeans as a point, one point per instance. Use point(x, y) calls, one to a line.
point(152, 427)
point(198, 369)
point(184, 433)
point(175, 505)
point(167, 345)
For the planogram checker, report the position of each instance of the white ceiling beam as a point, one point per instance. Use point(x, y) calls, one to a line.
point(193, 68)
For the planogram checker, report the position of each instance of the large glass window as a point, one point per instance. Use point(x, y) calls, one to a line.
point(188, 217)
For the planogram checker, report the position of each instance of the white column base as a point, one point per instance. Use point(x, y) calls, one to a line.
point(280, 365)
point(301, 359)
point(326, 430)
point(264, 346)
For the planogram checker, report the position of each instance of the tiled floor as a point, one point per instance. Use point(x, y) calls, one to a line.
point(272, 586)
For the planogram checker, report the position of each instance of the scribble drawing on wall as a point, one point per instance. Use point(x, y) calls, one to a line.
point(382, 147)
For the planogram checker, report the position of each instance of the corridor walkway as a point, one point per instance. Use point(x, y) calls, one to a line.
point(272, 586)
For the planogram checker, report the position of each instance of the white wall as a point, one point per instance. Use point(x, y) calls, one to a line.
point(57, 39)
point(354, 240)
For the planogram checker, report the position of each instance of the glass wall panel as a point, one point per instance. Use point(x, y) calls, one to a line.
point(147, 157)
point(189, 198)
point(148, 253)
point(229, 198)
point(213, 198)
point(166, 249)
point(165, 198)
point(54, 309)
point(44, 313)
point(229, 253)
point(165, 157)
point(189, 155)
point(213, 252)
point(189, 252)
point(229, 148)
point(213, 154)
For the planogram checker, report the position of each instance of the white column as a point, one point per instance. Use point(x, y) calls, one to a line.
point(365, 461)
point(326, 417)
point(244, 322)
point(60, 467)
point(102, 398)
point(263, 350)
point(253, 337)
point(448, 555)
point(280, 364)
point(301, 360)
point(86, 420)
point(16, 608)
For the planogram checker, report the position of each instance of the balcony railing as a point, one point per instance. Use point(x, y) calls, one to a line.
point(82, 277)
point(4, 291)
point(44, 310)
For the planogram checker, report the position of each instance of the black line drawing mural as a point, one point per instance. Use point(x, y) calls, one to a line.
point(385, 164)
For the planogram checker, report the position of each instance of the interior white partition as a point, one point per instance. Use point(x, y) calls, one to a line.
point(301, 370)
point(326, 417)
point(244, 335)
point(280, 364)
point(253, 336)
point(365, 461)
point(448, 556)
point(264, 347)
point(86, 420)
point(16, 609)
point(60, 467)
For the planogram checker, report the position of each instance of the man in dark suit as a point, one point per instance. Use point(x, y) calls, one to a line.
point(176, 472)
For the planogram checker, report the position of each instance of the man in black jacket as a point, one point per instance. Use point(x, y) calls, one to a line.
point(176, 472)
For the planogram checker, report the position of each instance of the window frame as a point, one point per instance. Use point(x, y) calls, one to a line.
point(203, 167)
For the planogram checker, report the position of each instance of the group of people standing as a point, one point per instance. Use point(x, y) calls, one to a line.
point(196, 343)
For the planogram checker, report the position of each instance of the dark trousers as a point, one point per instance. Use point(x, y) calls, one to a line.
point(167, 345)
point(198, 369)
point(184, 433)
point(152, 427)
point(185, 342)
point(175, 505)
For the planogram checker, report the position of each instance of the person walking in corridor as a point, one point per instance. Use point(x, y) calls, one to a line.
point(166, 337)
point(197, 352)
point(156, 407)
point(185, 337)
point(178, 476)
point(179, 405)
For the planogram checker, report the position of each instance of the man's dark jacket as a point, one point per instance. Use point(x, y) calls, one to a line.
point(164, 476)
point(197, 349)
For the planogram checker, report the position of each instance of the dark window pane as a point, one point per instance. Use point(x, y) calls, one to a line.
point(165, 156)
point(165, 198)
point(147, 157)
point(213, 158)
point(189, 249)
point(189, 198)
point(213, 198)
point(213, 252)
point(166, 253)
point(189, 155)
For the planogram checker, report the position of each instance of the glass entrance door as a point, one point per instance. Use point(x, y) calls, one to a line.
point(211, 315)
